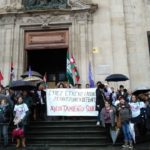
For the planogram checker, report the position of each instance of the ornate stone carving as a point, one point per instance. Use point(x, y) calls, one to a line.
point(44, 20)
point(44, 4)
point(14, 6)
point(9, 20)
point(78, 4)
point(83, 16)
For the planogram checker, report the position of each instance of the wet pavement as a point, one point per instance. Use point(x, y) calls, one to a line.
point(143, 146)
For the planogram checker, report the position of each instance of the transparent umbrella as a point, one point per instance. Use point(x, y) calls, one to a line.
point(141, 89)
point(34, 73)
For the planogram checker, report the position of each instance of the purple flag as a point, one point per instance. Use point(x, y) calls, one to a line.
point(29, 72)
point(90, 75)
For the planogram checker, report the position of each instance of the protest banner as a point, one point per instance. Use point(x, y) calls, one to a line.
point(71, 102)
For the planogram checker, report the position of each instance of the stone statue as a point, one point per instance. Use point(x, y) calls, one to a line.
point(43, 4)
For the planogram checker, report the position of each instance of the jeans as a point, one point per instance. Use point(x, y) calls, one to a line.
point(4, 132)
point(126, 132)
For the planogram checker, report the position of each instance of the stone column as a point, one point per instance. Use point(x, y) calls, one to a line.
point(81, 47)
point(120, 62)
point(7, 33)
point(137, 46)
point(102, 40)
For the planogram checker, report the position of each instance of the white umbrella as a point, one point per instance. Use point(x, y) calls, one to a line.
point(132, 131)
point(114, 134)
point(32, 78)
point(141, 89)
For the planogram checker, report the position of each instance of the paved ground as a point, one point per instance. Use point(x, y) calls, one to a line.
point(144, 146)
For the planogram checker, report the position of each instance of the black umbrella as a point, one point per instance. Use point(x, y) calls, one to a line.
point(22, 85)
point(116, 78)
point(34, 73)
point(141, 89)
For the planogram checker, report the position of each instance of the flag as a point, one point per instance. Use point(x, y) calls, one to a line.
point(90, 76)
point(45, 80)
point(45, 77)
point(69, 71)
point(1, 77)
point(29, 72)
point(12, 75)
point(74, 68)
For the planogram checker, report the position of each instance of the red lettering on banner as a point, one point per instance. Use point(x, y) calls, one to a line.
point(67, 108)
point(90, 108)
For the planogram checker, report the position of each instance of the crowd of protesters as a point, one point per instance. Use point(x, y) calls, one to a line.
point(119, 108)
point(115, 108)
point(18, 108)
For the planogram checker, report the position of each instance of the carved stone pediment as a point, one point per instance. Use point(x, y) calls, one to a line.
point(79, 4)
point(44, 4)
point(56, 4)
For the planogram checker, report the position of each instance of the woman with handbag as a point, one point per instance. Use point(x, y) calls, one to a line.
point(21, 112)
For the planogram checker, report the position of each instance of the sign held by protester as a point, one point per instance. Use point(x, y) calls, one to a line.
point(71, 102)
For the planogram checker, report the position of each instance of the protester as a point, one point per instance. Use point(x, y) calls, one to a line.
point(124, 113)
point(123, 92)
point(21, 112)
point(108, 117)
point(5, 118)
point(136, 109)
point(100, 99)
point(41, 102)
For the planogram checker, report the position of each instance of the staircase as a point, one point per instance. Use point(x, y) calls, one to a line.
point(72, 133)
point(66, 133)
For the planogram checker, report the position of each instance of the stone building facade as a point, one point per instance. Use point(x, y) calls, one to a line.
point(111, 34)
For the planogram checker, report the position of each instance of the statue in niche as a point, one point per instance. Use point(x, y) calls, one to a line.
point(41, 4)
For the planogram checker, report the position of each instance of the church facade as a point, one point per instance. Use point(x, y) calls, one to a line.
point(113, 35)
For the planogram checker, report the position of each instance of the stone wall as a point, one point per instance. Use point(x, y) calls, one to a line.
point(118, 28)
point(120, 33)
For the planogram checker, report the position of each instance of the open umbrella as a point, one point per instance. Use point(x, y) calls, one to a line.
point(32, 78)
point(116, 78)
point(22, 85)
point(34, 73)
point(141, 89)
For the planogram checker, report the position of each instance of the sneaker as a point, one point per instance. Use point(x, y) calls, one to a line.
point(125, 146)
point(130, 146)
point(98, 123)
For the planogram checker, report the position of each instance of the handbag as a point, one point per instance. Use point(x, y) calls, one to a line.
point(118, 121)
point(18, 133)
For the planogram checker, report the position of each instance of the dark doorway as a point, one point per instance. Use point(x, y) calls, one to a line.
point(52, 62)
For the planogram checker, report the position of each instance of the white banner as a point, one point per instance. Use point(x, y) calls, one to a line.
point(71, 102)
